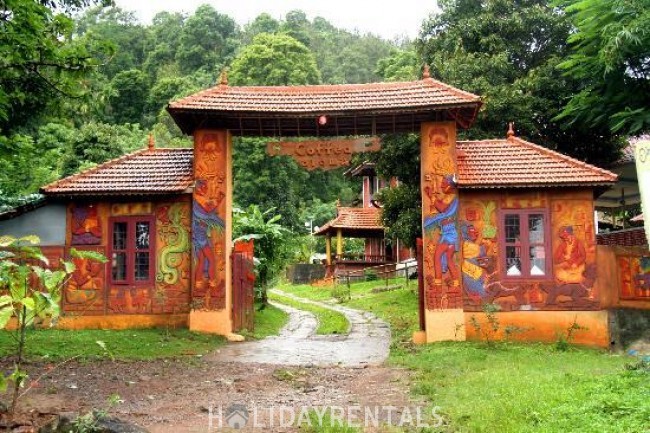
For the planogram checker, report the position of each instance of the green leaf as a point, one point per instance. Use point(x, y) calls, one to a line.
point(5, 316)
point(28, 303)
point(5, 300)
point(7, 241)
point(85, 254)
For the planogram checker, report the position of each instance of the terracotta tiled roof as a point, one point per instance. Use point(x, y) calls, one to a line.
point(354, 218)
point(634, 237)
point(515, 162)
point(155, 171)
point(326, 98)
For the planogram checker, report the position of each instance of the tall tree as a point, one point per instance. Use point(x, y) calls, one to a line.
point(208, 41)
point(40, 61)
point(611, 60)
point(274, 60)
point(509, 52)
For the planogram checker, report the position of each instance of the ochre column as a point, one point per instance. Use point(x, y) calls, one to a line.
point(212, 232)
point(339, 243)
point(328, 249)
point(440, 233)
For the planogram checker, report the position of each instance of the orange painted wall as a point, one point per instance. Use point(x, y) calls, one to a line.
point(91, 301)
point(546, 326)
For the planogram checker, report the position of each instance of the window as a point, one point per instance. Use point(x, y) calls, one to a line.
point(526, 244)
point(131, 250)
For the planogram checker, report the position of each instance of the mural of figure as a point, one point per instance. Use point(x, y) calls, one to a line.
point(446, 204)
point(570, 258)
point(206, 224)
point(474, 263)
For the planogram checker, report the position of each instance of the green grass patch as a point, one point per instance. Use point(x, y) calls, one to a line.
point(509, 387)
point(268, 322)
point(329, 321)
point(134, 344)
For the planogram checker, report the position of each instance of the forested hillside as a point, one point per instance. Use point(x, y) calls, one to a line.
point(84, 114)
point(82, 82)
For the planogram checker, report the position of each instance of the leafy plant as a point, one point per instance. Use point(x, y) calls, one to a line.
point(273, 244)
point(565, 339)
point(30, 293)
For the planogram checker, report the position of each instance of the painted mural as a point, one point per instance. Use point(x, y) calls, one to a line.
point(440, 213)
point(485, 280)
point(173, 277)
point(208, 221)
point(85, 291)
point(634, 274)
point(86, 226)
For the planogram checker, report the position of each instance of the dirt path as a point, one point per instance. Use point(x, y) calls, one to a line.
point(367, 343)
point(301, 372)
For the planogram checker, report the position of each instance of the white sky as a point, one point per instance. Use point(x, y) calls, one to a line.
point(385, 18)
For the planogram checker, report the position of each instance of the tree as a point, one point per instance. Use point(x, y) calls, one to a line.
point(127, 96)
point(208, 41)
point(264, 23)
point(508, 52)
point(401, 206)
point(95, 143)
point(611, 59)
point(40, 61)
point(274, 60)
point(402, 65)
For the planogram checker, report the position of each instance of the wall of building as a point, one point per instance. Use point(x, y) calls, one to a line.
point(90, 291)
point(569, 283)
point(47, 222)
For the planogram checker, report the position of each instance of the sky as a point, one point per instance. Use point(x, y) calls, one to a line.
point(389, 20)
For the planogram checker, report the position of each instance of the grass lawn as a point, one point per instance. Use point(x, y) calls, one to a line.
point(329, 322)
point(509, 387)
point(268, 322)
point(135, 344)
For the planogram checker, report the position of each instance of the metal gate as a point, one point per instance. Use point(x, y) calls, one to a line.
point(243, 287)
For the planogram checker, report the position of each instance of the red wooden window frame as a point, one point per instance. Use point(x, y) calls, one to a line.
point(131, 250)
point(524, 244)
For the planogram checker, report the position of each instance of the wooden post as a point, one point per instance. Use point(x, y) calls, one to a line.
point(339, 242)
point(328, 249)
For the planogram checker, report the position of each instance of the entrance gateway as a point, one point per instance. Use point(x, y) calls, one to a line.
point(321, 112)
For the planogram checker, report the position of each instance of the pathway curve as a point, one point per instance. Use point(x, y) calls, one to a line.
point(367, 343)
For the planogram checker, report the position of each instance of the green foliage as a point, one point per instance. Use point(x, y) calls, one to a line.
point(611, 59)
point(273, 243)
point(268, 322)
point(40, 60)
point(509, 52)
point(128, 96)
point(274, 60)
point(30, 292)
point(401, 212)
point(208, 41)
point(402, 65)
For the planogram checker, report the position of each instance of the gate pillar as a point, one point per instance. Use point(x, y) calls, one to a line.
point(444, 317)
point(212, 232)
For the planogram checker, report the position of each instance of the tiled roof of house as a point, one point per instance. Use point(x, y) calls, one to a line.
point(326, 98)
point(354, 218)
point(481, 164)
point(514, 162)
point(147, 171)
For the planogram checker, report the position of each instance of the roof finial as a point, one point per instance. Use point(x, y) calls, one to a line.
point(152, 142)
point(338, 202)
point(511, 130)
point(426, 73)
point(224, 77)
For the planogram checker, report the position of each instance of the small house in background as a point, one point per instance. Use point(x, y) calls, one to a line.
point(362, 222)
